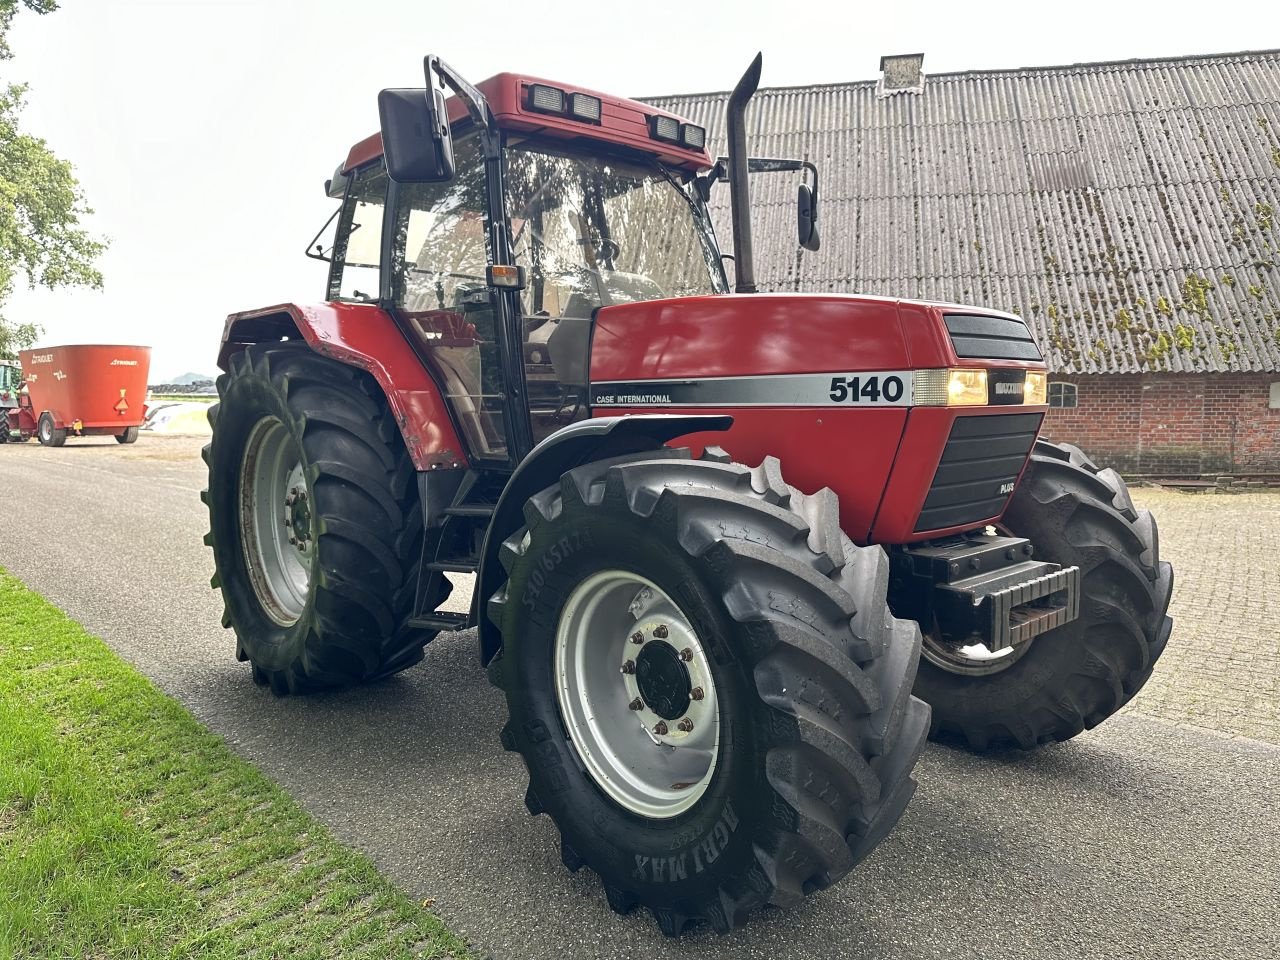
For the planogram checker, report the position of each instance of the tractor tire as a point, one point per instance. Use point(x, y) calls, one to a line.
point(800, 759)
point(1072, 678)
point(48, 434)
point(322, 600)
point(130, 435)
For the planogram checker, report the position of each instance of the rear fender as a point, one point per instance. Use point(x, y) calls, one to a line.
point(565, 449)
point(364, 336)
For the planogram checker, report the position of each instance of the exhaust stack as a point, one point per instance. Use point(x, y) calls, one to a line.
point(739, 190)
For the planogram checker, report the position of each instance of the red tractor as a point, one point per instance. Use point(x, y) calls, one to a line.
point(708, 668)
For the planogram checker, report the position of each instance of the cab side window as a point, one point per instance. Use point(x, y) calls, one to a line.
point(357, 251)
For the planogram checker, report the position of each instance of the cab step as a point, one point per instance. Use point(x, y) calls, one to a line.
point(477, 510)
point(442, 621)
point(464, 565)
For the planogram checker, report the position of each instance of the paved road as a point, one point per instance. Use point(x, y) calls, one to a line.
point(1142, 839)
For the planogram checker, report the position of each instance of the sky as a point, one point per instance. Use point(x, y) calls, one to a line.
point(202, 131)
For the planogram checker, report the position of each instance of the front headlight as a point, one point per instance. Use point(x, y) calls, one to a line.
point(950, 388)
point(1036, 388)
point(966, 388)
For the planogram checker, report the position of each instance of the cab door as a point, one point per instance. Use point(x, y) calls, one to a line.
point(439, 291)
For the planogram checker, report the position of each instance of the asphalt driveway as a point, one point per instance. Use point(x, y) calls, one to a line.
point(1144, 838)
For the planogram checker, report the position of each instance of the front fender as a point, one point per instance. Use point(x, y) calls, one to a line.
point(565, 449)
point(362, 335)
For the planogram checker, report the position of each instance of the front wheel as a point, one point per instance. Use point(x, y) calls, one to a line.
point(130, 435)
point(703, 678)
point(1074, 677)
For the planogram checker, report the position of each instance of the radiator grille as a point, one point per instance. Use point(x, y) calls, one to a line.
point(993, 338)
point(980, 464)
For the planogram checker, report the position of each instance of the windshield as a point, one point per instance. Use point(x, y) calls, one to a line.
point(589, 232)
point(594, 231)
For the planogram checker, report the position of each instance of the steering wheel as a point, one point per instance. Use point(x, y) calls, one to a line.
point(609, 249)
point(606, 249)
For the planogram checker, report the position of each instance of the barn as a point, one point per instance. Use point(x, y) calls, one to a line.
point(1130, 211)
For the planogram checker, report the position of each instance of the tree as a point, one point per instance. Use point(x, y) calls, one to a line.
point(41, 205)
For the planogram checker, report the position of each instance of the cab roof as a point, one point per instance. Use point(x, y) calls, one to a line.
point(623, 122)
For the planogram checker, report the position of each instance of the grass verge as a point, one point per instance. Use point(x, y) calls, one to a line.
point(127, 829)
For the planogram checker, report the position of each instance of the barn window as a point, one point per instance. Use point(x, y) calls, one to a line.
point(1062, 394)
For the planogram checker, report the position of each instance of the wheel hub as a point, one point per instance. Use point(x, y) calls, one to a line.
point(297, 517)
point(663, 680)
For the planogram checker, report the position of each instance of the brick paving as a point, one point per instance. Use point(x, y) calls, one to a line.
point(1221, 669)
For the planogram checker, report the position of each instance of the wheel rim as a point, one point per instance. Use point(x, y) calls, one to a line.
point(636, 692)
point(276, 525)
point(46, 430)
point(971, 659)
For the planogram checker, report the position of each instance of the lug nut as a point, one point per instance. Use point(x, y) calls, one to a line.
point(302, 545)
point(629, 667)
point(685, 725)
point(686, 654)
point(294, 491)
point(288, 501)
point(302, 495)
point(636, 704)
point(1028, 549)
point(660, 631)
point(660, 728)
point(288, 522)
point(293, 541)
point(637, 638)
point(696, 693)
point(1010, 554)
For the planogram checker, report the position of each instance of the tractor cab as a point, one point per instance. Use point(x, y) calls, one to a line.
point(496, 244)
point(10, 382)
point(10, 397)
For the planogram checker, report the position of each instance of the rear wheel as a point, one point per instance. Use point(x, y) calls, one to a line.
point(1072, 678)
point(314, 521)
point(130, 435)
point(48, 434)
point(703, 678)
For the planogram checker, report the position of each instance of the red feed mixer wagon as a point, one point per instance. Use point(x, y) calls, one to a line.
point(80, 390)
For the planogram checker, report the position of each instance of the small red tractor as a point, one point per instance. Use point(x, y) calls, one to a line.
point(708, 648)
point(81, 390)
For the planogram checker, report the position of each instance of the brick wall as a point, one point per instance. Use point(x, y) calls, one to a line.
point(1173, 424)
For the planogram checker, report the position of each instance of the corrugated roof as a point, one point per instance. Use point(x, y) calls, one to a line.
point(1130, 211)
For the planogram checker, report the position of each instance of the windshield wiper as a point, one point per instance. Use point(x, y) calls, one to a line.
point(680, 188)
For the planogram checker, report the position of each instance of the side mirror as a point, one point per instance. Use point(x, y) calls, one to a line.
point(807, 218)
point(417, 143)
point(336, 186)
